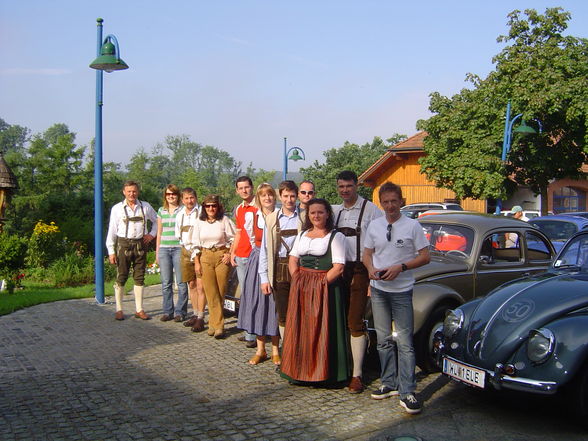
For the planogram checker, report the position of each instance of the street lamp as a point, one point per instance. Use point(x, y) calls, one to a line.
point(295, 156)
point(523, 129)
point(108, 59)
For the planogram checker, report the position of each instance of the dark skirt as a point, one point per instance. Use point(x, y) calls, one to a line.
point(257, 311)
point(315, 346)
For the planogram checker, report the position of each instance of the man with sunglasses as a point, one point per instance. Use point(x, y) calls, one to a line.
point(394, 245)
point(127, 240)
point(352, 218)
point(305, 193)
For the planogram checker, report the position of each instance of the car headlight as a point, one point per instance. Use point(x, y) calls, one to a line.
point(540, 345)
point(453, 322)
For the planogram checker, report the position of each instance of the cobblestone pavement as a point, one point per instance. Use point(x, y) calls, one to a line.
point(69, 371)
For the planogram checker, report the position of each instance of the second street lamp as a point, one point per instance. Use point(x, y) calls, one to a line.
point(108, 59)
point(295, 156)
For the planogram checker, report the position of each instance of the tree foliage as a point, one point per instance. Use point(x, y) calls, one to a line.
point(545, 75)
point(348, 157)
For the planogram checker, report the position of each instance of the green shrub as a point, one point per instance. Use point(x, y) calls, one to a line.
point(71, 270)
point(46, 245)
point(13, 250)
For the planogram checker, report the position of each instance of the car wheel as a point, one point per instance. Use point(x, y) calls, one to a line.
point(578, 393)
point(424, 339)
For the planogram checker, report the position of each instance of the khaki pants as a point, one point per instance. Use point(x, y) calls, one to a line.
point(215, 277)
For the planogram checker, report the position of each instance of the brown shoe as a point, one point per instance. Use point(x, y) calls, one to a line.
point(190, 322)
point(198, 325)
point(165, 318)
point(141, 315)
point(178, 319)
point(356, 386)
point(119, 315)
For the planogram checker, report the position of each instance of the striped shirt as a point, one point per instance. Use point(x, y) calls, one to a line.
point(168, 233)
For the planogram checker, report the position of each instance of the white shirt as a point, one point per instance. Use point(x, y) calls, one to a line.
point(304, 245)
point(185, 218)
point(208, 235)
point(349, 218)
point(407, 238)
point(117, 226)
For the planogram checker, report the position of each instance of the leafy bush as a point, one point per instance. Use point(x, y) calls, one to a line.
point(71, 270)
point(13, 250)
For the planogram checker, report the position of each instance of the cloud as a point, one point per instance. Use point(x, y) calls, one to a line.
point(35, 71)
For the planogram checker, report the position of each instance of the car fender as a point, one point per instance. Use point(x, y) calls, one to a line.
point(571, 351)
point(427, 296)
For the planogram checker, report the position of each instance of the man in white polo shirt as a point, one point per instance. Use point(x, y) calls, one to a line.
point(394, 245)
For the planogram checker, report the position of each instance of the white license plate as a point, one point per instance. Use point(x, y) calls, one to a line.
point(230, 305)
point(462, 372)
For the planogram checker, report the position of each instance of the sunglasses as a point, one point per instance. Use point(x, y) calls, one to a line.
point(171, 194)
point(389, 233)
point(304, 192)
point(210, 206)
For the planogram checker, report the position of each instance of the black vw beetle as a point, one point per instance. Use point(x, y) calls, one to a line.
point(530, 334)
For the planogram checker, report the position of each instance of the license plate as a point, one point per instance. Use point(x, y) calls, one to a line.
point(465, 373)
point(230, 305)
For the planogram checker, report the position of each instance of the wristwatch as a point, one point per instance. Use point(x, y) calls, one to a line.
point(404, 267)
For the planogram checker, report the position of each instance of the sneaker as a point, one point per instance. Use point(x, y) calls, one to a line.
point(383, 392)
point(411, 404)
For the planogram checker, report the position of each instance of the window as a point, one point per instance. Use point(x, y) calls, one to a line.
point(536, 247)
point(569, 199)
point(446, 238)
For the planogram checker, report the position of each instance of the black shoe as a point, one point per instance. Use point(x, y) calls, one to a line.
point(411, 404)
point(251, 344)
point(383, 392)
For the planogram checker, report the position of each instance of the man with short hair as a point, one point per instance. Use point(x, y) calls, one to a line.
point(281, 228)
point(185, 220)
point(394, 245)
point(305, 193)
point(352, 218)
point(127, 240)
point(244, 239)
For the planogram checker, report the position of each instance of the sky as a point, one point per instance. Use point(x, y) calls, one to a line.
point(242, 75)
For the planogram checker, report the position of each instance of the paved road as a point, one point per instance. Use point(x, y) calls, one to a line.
point(68, 371)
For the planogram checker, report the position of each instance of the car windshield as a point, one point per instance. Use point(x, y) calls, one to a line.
point(574, 254)
point(453, 239)
point(556, 230)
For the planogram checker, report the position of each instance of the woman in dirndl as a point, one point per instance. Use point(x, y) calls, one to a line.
point(257, 311)
point(315, 341)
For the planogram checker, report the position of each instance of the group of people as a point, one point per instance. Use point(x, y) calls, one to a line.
point(305, 272)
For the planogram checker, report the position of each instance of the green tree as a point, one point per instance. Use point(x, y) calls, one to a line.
point(348, 157)
point(12, 137)
point(545, 75)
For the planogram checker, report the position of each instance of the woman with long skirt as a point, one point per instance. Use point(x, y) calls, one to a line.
point(315, 340)
point(257, 311)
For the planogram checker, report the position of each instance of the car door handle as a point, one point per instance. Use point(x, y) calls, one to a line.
point(527, 274)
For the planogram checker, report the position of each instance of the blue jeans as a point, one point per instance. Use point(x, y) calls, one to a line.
point(169, 261)
point(396, 352)
point(241, 270)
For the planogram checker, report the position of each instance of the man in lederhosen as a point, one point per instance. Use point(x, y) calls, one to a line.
point(127, 240)
point(185, 219)
point(281, 228)
point(352, 218)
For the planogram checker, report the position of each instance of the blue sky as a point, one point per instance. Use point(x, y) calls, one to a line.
point(242, 75)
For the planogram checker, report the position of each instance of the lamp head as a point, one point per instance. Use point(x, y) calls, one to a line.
point(295, 156)
point(107, 60)
point(525, 130)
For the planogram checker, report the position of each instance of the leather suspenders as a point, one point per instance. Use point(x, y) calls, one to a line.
point(350, 232)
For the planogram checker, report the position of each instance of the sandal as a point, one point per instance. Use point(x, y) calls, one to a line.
point(256, 359)
point(277, 360)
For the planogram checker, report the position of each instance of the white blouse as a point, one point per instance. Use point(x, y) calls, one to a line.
point(318, 246)
point(208, 235)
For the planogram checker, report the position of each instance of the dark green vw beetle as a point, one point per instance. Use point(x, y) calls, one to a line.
point(530, 334)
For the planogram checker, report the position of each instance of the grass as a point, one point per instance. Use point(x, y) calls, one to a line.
point(37, 293)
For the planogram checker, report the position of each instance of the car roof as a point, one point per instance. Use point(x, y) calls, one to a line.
point(580, 221)
point(475, 220)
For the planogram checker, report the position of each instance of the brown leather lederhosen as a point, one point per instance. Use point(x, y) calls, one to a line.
point(281, 263)
point(355, 279)
point(188, 272)
point(131, 252)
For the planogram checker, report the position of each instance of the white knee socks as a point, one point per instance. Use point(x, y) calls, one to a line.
point(138, 297)
point(358, 347)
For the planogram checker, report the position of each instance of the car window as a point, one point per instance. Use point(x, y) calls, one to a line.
point(447, 238)
point(531, 215)
point(575, 253)
point(536, 247)
point(454, 207)
point(501, 247)
point(556, 230)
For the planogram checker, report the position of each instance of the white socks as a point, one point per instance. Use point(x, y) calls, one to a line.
point(281, 329)
point(118, 296)
point(358, 347)
point(138, 297)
